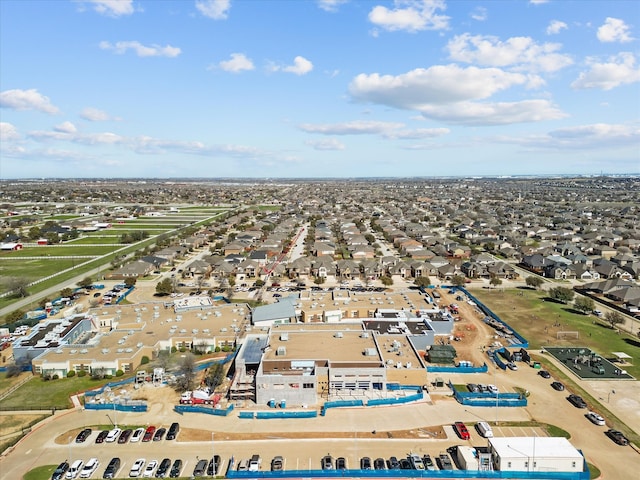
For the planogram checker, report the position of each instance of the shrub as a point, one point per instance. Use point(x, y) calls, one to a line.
point(82, 373)
point(218, 349)
point(55, 377)
point(119, 373)
point(174, 349)
point(144, 360)
point(71, 373)
point(183, 349)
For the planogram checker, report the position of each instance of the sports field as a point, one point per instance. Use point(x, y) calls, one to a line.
point(587, 364)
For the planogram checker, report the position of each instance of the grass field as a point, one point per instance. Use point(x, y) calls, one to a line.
point(34, 269)
point(53, 251)
point(534, 318)
point(94, 240)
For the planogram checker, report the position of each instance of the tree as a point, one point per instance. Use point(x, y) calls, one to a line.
point(458, 280)
point(34, 233)
point(584, 304)
point(386, 280)
point(614, 318)
point(422, 281)
point(66, 292)
point(319, 280)
point(495, 281)
point(561, 294)
point(130, 281)
point(164, 287)
point(259, 283)
point(215, 376)
point(186, 374)
point(18, 286)
point(85, 282)
point(534, 281)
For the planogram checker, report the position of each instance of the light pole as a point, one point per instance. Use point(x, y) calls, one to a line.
point(609, 395)
point(521, 453)
point(213, 455)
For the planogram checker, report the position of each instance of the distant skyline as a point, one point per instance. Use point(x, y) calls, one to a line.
point(318, 88)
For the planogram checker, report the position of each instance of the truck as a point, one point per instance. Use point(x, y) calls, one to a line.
point(198, 397)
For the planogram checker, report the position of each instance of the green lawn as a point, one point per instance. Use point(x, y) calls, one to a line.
point(34, 269)
point(38, 394)
point(53, 251)
point(534, 318)
point(93, 240)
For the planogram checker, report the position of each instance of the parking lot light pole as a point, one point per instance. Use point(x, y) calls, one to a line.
point(609, 395)
point(213, 453)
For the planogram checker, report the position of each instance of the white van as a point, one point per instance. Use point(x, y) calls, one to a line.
point(74, 469)
point(484, 429)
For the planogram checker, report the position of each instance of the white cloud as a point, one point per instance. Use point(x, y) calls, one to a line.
point(411, 16)
point(141, 50)
point(522, 52)
point(582, 137)
point(439, 84)
point(500, 113)
point(555, 27)
point(301, 66)
point(8, 132)
point(618, 70)
point(614, 30)
point(27, 100)
point(238, 63)
point(215, 9)
point(326, 144)
point(66, 127)
point(417, 134)
point(538, 2)
point(358, 127)
point(480, 14)
point(113, 8)
point(95, 115)
point(331, 5)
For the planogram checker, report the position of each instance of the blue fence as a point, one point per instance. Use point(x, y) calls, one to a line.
point(202, 409)
point(111, 385)
point(204, 365)
point(286, 414)
point(23, 368)
point(463, 474)
point(488, 399)
point(487, 311)
point(397, 386)
point(116, 406)
point(341, 403)
point(444, 369)
point(395, 401)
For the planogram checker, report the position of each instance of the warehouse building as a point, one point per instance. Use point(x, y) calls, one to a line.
point(535, 454)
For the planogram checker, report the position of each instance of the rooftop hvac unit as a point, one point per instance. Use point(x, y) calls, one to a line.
point(364, 335)
point(281, 351)
point(84, 350)
point(338, 335)
point(369, 352)
point(284, 337)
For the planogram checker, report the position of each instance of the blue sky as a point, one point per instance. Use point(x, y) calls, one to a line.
point(318, 88)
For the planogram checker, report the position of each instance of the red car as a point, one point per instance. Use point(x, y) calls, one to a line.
point(148, 433)
point(461, 430)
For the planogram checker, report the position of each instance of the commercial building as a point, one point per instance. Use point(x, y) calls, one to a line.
point(535, 454)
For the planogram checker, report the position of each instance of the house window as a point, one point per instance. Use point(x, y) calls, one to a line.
point(573, 464)
point(307, 385)
point(526, 464)
point(508, 464)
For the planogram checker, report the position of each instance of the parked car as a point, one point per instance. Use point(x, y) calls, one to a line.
point(112, 468)
point(214, 465)
point(341, 463)
point(150, 468)
point(176, 468)
point(200, 468)
point(557, 386)
point(83, 435)
point(163, 468)
point(472, 387)
point(172, 433)
point(74, 470)
point(159, 434)
point(379, 464)
point(544, 374)
point(428, 463)
point(113, 435)
point(416, 462)
point(60, 471)
point(327, 462)
point(492, 388)
point(484, 429)
point(512, 366)
point(137, 434)
point(596, 419)
point(277, 463)
point(394, 464)
point(125, 435)
point(365, 463)
point(89, 467)
point(577, 401)
point(461, 430)
point(137, 468)
point(102, 434)
point(617, 436)
point(444, 462)
point(405, 464)
point(149, 433)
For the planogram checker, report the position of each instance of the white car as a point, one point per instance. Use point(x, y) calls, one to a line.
point(136, 468)
point(492, 388)
point(595, 418)
point(89, 468)
point(151, 466)
point(113, 435)
point(137, 434)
